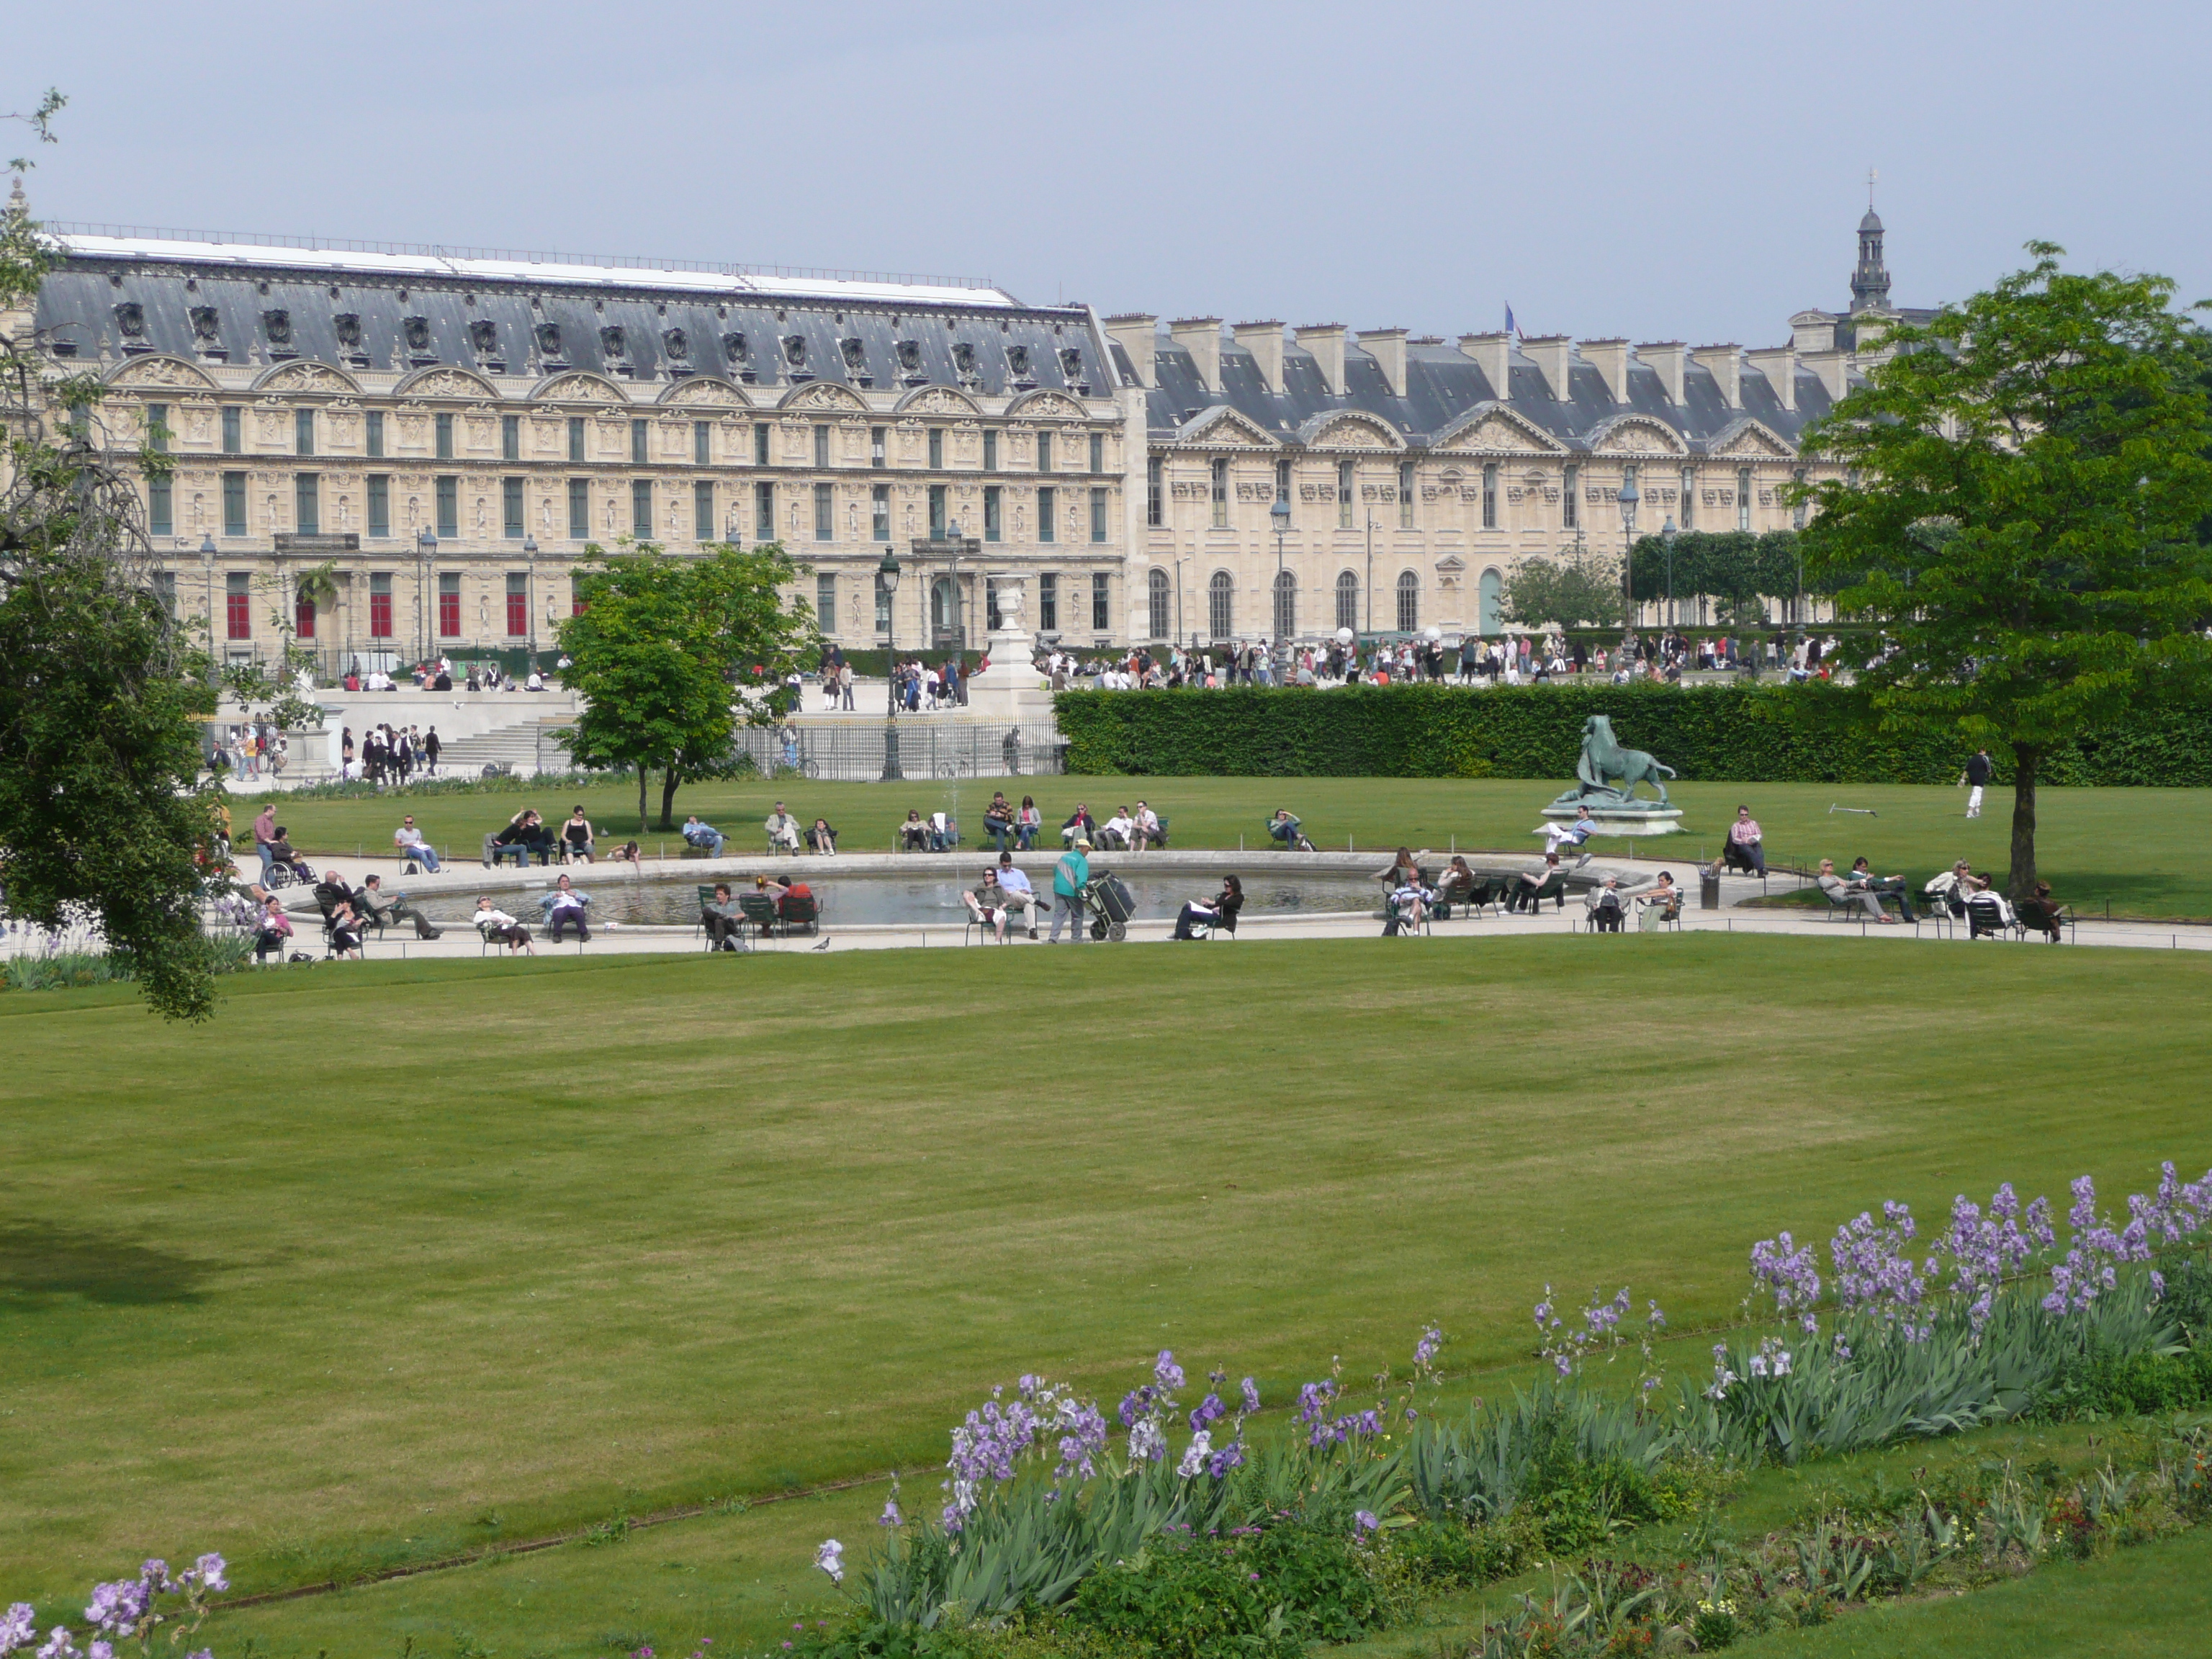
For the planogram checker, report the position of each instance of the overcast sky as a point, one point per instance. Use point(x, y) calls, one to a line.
point(1656, 171)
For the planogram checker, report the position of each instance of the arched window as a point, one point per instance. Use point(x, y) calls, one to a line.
point(1492, 591)
point(1220, 607)
point(1409, 602)
point(1156, 591)
point(1347, 601)
point(1286, 605)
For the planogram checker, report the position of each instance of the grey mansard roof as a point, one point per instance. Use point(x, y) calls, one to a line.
point(1443, 385)
point(192, 299)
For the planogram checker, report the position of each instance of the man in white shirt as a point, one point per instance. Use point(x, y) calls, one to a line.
point(782, 829)
point(1020, 895)
point(1115, 832)
point(1146, 827)
point(409, 839)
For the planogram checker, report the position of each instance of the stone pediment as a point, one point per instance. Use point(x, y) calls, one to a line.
point(1492, 429)
point(308, 377)
point(706, 391)
point(937, 400)
point(1751, 438)
point(1353, 429)
point(1636, 434)
point(831, 396)
point(1047, 406)
point(576, 386)
point(164, 371)
point(445, 382)
point(1213, 427)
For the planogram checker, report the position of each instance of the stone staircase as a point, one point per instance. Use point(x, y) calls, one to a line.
point(526, 747)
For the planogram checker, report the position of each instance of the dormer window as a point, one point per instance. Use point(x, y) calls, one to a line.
point(855, 354)
point(131, 320)
point(484, 337)
point(1070, 364)
point(1017, 362)
point(549, 340)
point(347, 325)
point(676, 343)
point(613, 341)
point(277, 325)
point(909, 356)
point(735, 349)
point(416, 331)
point(963, 359)
point(206, 332)
point(795, 350)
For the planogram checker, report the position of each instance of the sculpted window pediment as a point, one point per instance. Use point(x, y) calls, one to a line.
point(1047, 405)
point(1225, 426)
point(1351, 431)
point(161, 371)
point(300, 376)
point(1494, 429)
point(577, 387)
point(446, 383)
point(938, 400)
point(1635, 435)
point(825, 395)
point(1754, 439)
point(705, 391)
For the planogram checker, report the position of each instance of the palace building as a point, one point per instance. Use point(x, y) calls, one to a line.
point(445, 435)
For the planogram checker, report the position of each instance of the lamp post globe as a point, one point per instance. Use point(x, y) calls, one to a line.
point(887, 573)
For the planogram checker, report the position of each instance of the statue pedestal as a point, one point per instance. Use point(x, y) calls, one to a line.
point(1010, 689)
point(1632, 818)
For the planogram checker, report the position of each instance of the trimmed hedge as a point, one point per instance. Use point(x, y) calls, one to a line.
point(1720, 733)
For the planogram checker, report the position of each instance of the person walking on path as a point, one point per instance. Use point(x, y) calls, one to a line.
point(430, 748)
point(1977, 775)
point(1069, 877)
point(264, 838)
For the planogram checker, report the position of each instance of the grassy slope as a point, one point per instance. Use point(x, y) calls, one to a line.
point(326, 1284)
point(2131, 847)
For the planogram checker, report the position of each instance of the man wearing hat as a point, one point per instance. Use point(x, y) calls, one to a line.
point(1069, 877)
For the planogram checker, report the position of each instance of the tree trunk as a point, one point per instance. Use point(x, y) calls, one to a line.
point(2027, 759)
point(641, 797)
point(668, 783)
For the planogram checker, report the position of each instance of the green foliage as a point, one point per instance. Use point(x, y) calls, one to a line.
point(1583, 589)
point(1732, 567)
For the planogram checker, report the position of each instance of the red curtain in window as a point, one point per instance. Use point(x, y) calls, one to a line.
point(303, 619)
point(518, 614)
point(238, 608)
point(449, 615)
point(380, 616)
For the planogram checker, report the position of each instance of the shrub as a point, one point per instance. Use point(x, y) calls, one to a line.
point(1266, 1593)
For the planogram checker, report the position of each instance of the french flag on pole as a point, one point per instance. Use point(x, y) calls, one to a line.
point(1509, 327)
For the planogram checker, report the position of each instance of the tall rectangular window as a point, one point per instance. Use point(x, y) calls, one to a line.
point(1098, 452)
point(825, 514)
point(765, 512)
point(1048, 515)
point(937, 513)
point(579, 508)
point(1155, 507)
point(1570, 511)
point(234, 432)
point(1490, 496)
point(990, 452)
point(1404, 495)
point(510, 504)
point(641, 508)
point(449, 506)
point(760, 443)
point(821, 446)
point(993, 522)
point(307, 503)
point(1044, 451)
point(879, 452)
point(1343, 495)
point(1048, 602)
point(233, 503)
point(1797, 508)
point(826, 603)
point(702, 511)
point(880, 513)
point(576, 437)
point(303, 431)
point(937, 449)
point(374, 426)
point(380, 504)
point(1219, 491)
point(157, 427)
point(1102, 618)
point(510, 437)
point(165, 591)
point(518, 604)
point(161, 517)
point(702, 443)
point(639, 454)
point(1689, 502)
point(445, 428)
point(380, 605)
point(1743, 498)
point(449, 604)
point(303, 616)
point(882, 606)
point(238, 605)
point(1097, 515)
point(1283, 481)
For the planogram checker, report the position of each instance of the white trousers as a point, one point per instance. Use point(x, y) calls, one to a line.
point(1974, 802)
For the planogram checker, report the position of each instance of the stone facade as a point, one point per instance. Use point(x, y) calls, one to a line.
point(448, 434)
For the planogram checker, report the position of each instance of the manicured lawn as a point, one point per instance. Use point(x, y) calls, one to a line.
point(402, 1257)
point(2134, 848)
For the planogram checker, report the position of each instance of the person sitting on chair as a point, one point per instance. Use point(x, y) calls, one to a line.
point(780, 893)
point(914, 834)
point(1745, 847)
point(986, 902)
point(1663, 903)
point(724, 922)
point(999, 821)
point(1850, 895)
point(1220, 911)
point(576, 836)
point(1114, 834)
point(782, 830)
point(1027, 821)
point(1407, 907)
point(1522, 896)
point(1881, 886)
point(1457, 887)
point(943, 832)
point(500, 928)
point(370, 902)
point(1604, 907)
point(1014, 883)
point(564, 906)
point(1283, 828)
point(1949, 891)
point(1988, 914)
point(409, 839)
point(1556, 835)
point(1146, 827)
point(336, 899)
point(696, 834)
point(2041, 913)
point(280, 852)
point(1080, 826)
point(822, 838)
point(272, 929)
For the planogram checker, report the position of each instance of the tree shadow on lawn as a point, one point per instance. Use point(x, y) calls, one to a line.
point(41, 1263)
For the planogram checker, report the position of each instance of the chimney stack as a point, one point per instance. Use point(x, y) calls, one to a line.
point(1133, 332)
point(1388, 347)
point(1265, 342)
point(1493, 356)
point(1325, 342)
point(1834, 369)
point(1665, 358)
point(1201, 337)
point(1549, 354)
point(1779, 365)
point(1610, 358)
point(1725, 363)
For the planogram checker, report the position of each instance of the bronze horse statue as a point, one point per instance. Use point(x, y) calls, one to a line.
point(1602, 757)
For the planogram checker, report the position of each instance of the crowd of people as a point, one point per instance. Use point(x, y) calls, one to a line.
point(389, 754)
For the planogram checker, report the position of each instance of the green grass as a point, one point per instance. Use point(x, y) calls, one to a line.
point(401, 1259)
point(2131, 848)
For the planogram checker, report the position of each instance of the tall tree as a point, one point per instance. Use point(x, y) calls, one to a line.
point(1582, 589)
point(671, 654)
point(100, 821)
point(2024, 482)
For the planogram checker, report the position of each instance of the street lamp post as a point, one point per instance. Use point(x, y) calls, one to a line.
point(1371, 575)
point(1629, 501)
point(1666, 536)
point(426, 553)
point(529, 593)
point(1279, 515)
point(888, 573)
